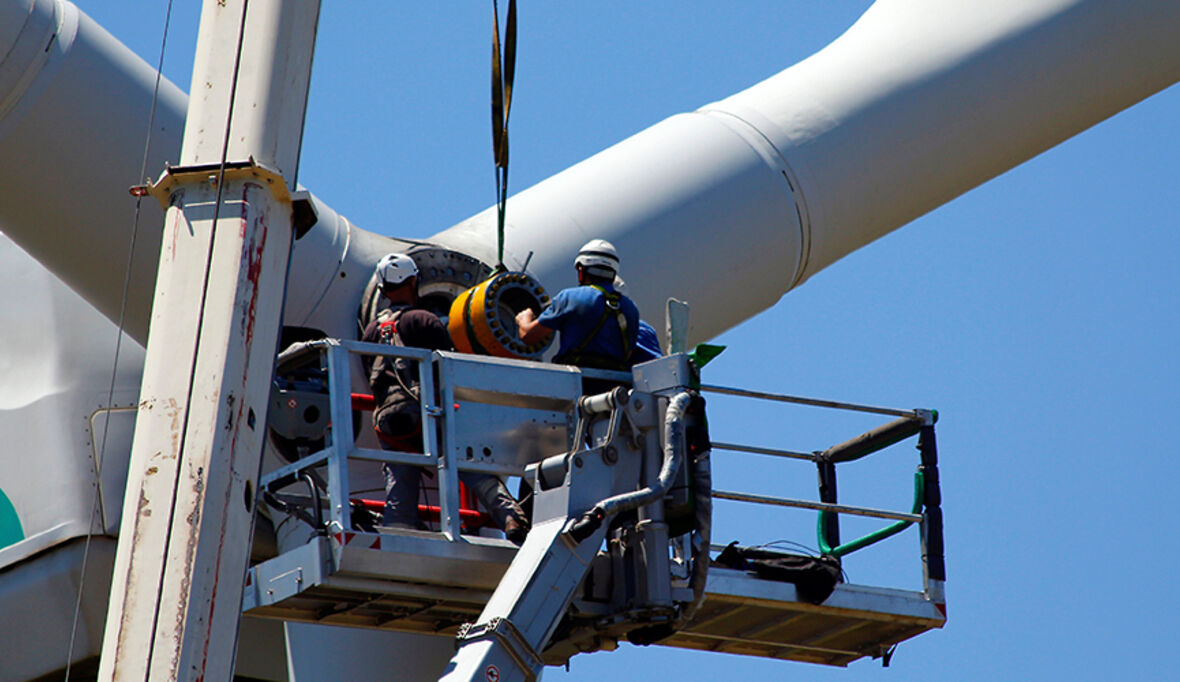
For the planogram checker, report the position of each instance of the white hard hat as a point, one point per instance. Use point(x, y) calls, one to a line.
point(598, 257)
point(395, 269)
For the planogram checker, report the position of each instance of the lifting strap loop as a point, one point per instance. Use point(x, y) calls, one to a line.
point(503, 73)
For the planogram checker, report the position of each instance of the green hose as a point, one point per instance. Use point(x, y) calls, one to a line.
point(876, 536)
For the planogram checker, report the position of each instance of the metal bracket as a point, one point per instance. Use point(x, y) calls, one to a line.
point(303, 213)
point(174, 177)
point(502, 629)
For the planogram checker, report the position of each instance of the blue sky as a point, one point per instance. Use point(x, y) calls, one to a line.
point(1038, 313)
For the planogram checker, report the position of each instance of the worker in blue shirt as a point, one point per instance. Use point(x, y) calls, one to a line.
point(599, 326)
point(647, 344)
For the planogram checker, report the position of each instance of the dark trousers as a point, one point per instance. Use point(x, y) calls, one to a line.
point(403, 484)
point(404, 481)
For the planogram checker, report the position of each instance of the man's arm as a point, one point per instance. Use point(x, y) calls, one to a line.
point(530, 328)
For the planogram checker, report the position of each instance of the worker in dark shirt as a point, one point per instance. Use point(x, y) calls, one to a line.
point(397, 417)
point(599, 326)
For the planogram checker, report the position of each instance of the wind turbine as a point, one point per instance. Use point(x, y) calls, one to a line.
point(839, 135)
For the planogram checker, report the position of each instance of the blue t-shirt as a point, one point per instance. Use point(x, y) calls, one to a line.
point(647, 344)
point(576, 311)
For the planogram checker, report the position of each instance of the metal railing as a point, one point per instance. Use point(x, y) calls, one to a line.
point(340, 445)
point(471, 411)
point(926, 510)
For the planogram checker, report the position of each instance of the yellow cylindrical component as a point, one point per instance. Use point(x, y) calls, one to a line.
point(483, 318)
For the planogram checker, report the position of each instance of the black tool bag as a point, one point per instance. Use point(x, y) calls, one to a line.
point(814, 577)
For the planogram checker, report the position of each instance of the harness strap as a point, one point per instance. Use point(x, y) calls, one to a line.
point(388, 334)
point(611, 302)
point(503, 73)
point(388, 327)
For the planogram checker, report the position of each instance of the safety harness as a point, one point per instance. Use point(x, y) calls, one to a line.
point(395, 390)
point(387, 327)
point(577, 355)
point(385, 368)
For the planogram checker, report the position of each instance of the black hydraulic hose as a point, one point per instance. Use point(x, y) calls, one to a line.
point(297, 351)
point(317, 512)
point(288, 508)
point(674, 447)
point(702, 535)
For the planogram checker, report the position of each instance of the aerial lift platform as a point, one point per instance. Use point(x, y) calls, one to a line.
point(622, 542)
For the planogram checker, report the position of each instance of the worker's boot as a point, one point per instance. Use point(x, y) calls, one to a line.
point(516, 529)
point(508, 515)
point(505, 511)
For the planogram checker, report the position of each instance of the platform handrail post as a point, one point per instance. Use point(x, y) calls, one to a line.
point(932, 545)
point(829, 522)
point(342, 438)
point(450, 522)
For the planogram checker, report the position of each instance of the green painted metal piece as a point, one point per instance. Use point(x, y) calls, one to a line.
point(876, 536)
point(703, 353)
point(10, 528)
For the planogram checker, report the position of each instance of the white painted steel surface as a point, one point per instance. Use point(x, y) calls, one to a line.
point(180, 566)
point(52, 386)
point(84, 239)
point(278, 41)
point(799, 170)
point(917, 103)
point(198, 439)
point(686, 197)
point(922, 100)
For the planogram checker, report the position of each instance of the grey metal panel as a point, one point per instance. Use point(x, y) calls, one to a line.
point(448, 476)
point(363, 348)
point(511, 437)
point(285, 576)
point(529, 416)
point(468, 562)
point(664, 374)
point(885, 603)
point(310, 460)
point(746, 615)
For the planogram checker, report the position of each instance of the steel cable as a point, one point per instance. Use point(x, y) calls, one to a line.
point(95, 500)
